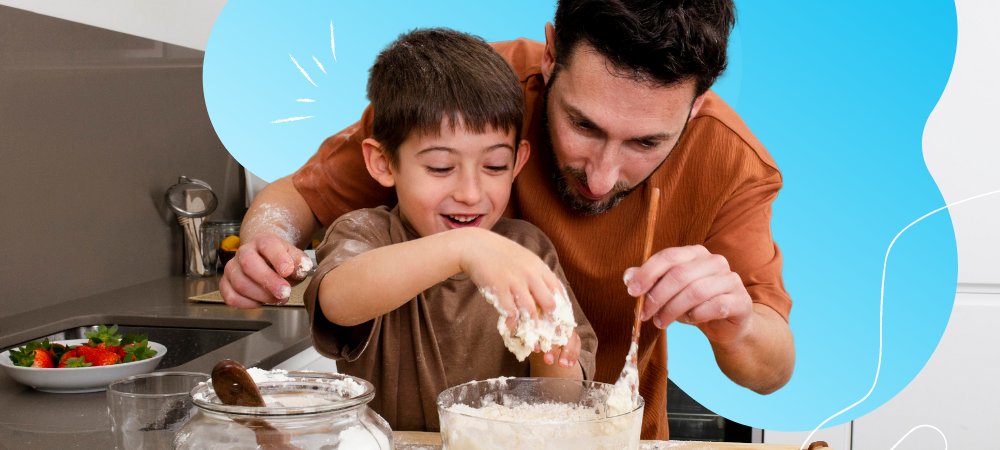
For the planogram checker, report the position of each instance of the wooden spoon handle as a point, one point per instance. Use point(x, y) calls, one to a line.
point(651, 213)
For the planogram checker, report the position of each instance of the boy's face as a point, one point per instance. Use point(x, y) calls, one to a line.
point(452, 180)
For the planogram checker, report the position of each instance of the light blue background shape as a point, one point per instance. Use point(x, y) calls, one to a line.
point(838, 93)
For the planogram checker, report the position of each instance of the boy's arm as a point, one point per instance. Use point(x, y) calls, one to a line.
point(378, 281)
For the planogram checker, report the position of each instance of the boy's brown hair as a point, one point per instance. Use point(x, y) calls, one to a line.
point(429, 74)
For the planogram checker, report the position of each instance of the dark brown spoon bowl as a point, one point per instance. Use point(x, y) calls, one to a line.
point(234, 386)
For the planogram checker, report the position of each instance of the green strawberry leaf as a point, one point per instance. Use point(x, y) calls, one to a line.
point(138, 351)
point(103, 335)
point(132, 339)
point(77, 362)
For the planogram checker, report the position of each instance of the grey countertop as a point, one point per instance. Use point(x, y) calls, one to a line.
point(38, 420)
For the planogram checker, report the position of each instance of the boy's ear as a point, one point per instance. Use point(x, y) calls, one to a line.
point(523, 151)
point(377, 163)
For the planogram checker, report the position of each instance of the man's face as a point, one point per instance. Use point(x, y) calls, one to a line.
point(455, 179)
point(609, 132)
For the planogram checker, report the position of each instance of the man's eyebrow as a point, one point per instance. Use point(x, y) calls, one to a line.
point(581, 116)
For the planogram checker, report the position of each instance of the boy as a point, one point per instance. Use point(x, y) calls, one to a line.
point(396, 297)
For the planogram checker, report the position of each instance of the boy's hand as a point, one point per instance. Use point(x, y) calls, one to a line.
point(567, 355)
point(520, 280)
point(258, 274)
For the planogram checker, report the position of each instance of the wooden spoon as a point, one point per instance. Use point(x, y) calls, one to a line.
point(651, 213)
point(234, 386)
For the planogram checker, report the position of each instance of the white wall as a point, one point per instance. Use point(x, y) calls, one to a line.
point(962, 142)
point(186, 23)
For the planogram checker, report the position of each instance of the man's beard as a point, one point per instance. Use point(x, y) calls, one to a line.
point(574, 199)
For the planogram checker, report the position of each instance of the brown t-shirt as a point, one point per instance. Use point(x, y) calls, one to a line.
point(445, 336)
point(717, 187)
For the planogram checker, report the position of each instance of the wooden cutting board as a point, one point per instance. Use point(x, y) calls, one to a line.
point(410, 440)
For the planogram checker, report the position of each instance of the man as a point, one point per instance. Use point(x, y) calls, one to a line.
point(618, 102)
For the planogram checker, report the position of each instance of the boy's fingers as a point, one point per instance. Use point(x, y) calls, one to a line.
point(570, 352)
point(506, 301)
point(523, 302)
point(542, 296)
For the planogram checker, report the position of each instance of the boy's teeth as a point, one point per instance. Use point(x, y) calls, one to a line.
point(463, 219)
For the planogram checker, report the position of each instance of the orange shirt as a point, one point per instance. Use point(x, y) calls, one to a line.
point(716, 190)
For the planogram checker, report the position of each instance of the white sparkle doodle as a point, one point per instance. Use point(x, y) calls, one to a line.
point(306, 100)
point(302, 70)
point(320, 65)
point(293, 119)
point(332, 47)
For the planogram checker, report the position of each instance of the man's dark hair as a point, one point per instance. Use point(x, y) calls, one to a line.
point(663, 41)
point(429, 74)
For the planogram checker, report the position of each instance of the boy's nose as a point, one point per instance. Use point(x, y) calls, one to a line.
point(469, 190)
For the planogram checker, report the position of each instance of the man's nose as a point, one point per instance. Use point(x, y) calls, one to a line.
point(602, 174)
point(469, 190)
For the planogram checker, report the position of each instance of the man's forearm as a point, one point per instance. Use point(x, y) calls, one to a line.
point(764, 359)
point(281, 210)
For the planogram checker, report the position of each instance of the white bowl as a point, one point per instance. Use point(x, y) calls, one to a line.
point(72, 380)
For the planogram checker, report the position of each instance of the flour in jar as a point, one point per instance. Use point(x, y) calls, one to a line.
point(547, 332)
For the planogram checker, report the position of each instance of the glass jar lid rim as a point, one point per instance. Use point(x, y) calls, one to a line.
point(204, 394)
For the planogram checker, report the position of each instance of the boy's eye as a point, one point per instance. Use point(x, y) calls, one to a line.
point(497, 168)
point(440, 170)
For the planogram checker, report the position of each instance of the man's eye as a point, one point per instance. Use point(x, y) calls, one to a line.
point(648, 144)
point(583, 125)
point(439, 169)
point(496, 168)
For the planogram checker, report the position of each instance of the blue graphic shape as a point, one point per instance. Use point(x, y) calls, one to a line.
point(839, 98)
point(250, 80)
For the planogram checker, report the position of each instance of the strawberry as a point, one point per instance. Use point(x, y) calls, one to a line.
point(72, 353)
point(99, 356)
point(33, 354)
point(75, 362)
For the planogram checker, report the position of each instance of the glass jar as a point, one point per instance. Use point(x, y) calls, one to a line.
point(535, 414)
point(226, 228)
point(306, 410)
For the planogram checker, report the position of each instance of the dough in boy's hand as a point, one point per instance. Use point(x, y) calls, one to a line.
point(546, 332)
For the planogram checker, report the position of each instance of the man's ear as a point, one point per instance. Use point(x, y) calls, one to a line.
point(697, 105)
point(549, 55)
point(523, 152)
point(377, 163)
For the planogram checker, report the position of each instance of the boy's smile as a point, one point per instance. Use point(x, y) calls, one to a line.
point(453, 179)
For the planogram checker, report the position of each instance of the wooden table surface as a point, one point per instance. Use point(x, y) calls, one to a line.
point(410, 440)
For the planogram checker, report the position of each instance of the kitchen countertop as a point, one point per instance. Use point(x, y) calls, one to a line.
point(38, 420)
point(408, 440)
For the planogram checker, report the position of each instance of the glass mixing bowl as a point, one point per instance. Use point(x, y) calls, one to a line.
point(306, 410)
point(536, 414)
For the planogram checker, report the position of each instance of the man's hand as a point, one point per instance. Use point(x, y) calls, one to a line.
point(691, 285)
point(259, 274)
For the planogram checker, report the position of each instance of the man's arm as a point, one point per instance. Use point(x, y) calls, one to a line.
point(277, 224)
